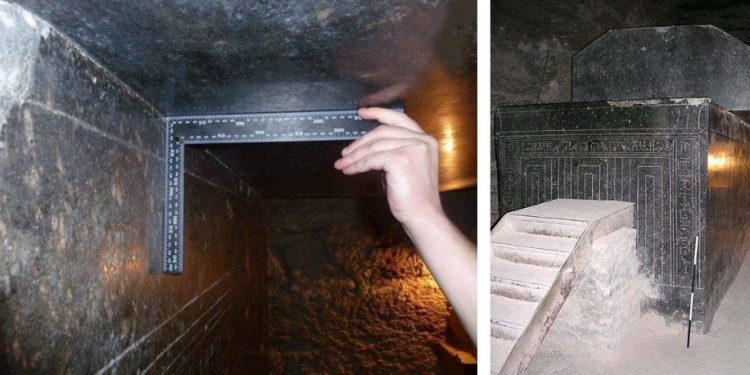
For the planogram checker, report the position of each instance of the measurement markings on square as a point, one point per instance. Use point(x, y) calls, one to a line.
point(239, 128)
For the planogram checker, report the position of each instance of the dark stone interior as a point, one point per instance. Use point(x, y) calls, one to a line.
point(196, 57)
point(80, 197)
point(188, 56)
point(81, 186)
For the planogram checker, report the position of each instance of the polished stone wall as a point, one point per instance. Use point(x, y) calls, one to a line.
point(80, 227)
point(654, 153)
point(728, 209)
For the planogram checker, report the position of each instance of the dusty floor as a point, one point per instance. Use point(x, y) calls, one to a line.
point(651, 347)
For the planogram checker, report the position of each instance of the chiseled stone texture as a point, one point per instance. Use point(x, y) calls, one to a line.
point(347, 291)
point(80, 221)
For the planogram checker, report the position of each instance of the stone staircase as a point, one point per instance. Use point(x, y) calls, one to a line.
point(538, 253)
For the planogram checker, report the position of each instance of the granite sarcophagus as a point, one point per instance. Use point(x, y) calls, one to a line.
point(685, 163)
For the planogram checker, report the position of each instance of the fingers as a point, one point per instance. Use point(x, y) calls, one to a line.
point(383, 131)
point(372, 147)
point(372, 161)
point(389, 117)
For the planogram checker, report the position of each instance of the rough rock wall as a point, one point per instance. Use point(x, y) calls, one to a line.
point(347, 291)
point(80, 200)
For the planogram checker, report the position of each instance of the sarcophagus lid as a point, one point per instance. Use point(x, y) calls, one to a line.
point(664, 62)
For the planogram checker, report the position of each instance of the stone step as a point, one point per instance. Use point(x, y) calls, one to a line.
point(522, 272)
point(535, 241)
point(547, 226)
point(500, 329)
point(517, 289)
point(499, 351)
point(530, 255)
point(530, 249)
point(512, 310)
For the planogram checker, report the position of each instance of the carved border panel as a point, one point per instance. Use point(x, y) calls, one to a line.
point(649, 154)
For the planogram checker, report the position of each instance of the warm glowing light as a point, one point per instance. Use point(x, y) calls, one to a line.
point(123, 263)
point(444, 104)
point(717, 162)
point(448, 143)
point(429, 282)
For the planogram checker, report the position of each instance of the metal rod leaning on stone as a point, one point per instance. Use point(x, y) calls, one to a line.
point(692, 291)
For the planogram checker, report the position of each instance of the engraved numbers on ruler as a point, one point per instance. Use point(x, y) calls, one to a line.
point(273, 127)
point(173, 202)
point(247, 128)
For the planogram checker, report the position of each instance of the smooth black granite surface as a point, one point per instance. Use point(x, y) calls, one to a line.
point(664, 62)
point(661, 155)
point(233, 56)
point(227, 56)
point(728, 210)
point(80, 218)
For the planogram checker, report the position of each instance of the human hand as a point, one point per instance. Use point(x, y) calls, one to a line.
point(407, 156)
